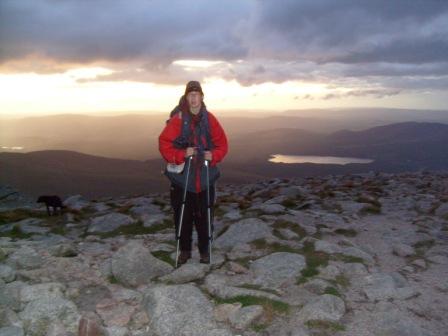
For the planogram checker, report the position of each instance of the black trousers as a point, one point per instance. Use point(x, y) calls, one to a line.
point(195, 212)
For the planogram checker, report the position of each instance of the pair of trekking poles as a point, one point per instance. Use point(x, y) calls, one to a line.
point(184, 198)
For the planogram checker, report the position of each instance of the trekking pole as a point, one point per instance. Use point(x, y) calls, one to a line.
point(184, 198)
point(209, 220)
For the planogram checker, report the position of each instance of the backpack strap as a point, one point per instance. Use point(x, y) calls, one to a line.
point(208, 138)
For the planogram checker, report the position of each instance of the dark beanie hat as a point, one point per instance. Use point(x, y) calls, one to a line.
point(193, 86)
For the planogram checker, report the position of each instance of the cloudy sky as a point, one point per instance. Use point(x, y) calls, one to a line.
point(136, 55)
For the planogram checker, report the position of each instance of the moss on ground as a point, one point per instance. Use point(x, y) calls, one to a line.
point(137, 229)
point(314, 259)
point(164, 256)
point(294, 227)
point(325, 325)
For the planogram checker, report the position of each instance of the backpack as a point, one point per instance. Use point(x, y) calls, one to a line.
point(181, 141)
point(175, 173)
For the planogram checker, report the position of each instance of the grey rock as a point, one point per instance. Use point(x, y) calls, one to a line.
point(293, 191)
point(382, 286)
point(352, 270)
point(11, 331)
point(26, 258)
point(327, 247)
point(144, 210)
point(330, 272)
point(43, 290)
point(326, 308)
point(30, 225)
point(117, 331)
point(180, 310)
point(7, 274)
point(244, 231)
point(232, 215)
point(100, 207)
point(274, 269)
point(39, 314)
point(217, 286)
point(223, 312)
point(109, 222)
point(186, 273)
point(351, 207)
point(442, 211)
point(8, 317)
point(10, 295)
point(133, 265)
point(246, 316)
point(150, 220)
point(288, 234)
point(426, 205)
point(76, 202)
point(63, 250)
point(356, 252)
point(316, 286)
point(395, 323)
point(403, 250)
point(11, 199)
point(276, 200)
point(438, 259)
point(269, 208)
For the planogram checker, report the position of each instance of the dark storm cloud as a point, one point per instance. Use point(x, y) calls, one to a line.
point(399, 31)
point(346, 42)
point(119, 31)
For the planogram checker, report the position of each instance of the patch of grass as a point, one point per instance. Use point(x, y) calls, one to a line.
point(124, 209)
point(137, 229)
point(160, 202)
point(222, 231)
point(59, 230)
point(346, 232)
point(371, 209)
point(325, 325)
point(164, 256)
point(112, 279)
point(16, 233)
point(296, 228)
point(16, 215)
point(426, 244)
point(347, 258)
point(244, 261)
point(332, 291)
point(258, 287)
point(314, 259)
point(262, 244)
point(422, 246)
point(259, 327)
point(289, 203)
point(341, 280)
point(244, 204)
point(219, 212)
point(325, 193)
point(249, 300)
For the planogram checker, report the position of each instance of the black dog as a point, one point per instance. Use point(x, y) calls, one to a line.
point(52, 201)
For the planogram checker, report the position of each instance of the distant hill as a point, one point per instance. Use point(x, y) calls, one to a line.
point(397, 147)
point(135, 136)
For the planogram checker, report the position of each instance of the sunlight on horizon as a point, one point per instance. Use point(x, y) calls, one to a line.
point(28, 94)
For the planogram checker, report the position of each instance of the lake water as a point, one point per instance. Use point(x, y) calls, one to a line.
point(280, 158)
point(14, 148)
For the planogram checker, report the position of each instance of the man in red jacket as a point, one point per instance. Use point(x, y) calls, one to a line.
point(194, 132)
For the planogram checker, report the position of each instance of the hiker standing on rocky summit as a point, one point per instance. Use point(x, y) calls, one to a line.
point(192, 134)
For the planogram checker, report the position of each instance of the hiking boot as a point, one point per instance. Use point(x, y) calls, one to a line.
point(183, 257)
point(205, 258)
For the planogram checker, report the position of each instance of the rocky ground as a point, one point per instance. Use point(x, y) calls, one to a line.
point(337, 255)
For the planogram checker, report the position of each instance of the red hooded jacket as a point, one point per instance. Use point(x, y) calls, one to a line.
point(177, 156)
